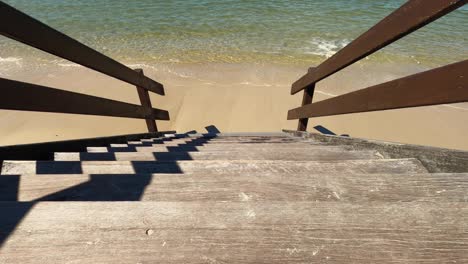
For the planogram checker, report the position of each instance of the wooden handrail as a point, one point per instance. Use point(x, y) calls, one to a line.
point(444, 85)
point(409, 17)
point(307, 98)
point(30, 97)
point(23, 28)
point(439, 86)
point(146, 102)
point(15, 95)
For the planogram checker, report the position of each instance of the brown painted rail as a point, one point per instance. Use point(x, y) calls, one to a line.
point(448, 84)
point(146, 102)
point(411, 16)
point(23, 28)
point(15, 95)
point(444, 85)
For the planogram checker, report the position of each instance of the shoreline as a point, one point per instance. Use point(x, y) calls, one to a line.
point(234, 98)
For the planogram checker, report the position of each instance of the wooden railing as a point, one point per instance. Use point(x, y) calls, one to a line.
point(448, 84)
point(444, 85)
point(15, 95)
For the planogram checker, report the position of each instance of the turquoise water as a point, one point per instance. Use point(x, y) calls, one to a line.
point(236, 31)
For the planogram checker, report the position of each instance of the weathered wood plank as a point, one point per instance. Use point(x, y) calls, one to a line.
point(294, 154)
point(228, 140)
point(436, 160)
point(411, 16)
point(206, 232)
point(221, 167)
point(208, 186)
point(203, 141)
point(444, 85)
point(207, 147)
point(22, 96)
point(207, 143)
point(23, 28)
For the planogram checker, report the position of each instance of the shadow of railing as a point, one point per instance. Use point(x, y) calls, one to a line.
point(99, 187)
point(326, 131)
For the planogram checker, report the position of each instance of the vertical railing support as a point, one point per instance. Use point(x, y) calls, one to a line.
point(146, 102)
point(306, 99)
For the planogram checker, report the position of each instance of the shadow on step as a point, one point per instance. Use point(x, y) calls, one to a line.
point(326, 131)
point(9, 187)
point(159, 156)
point(188, 146)
point(10, 215)
point(104, 187)
point(138, 167)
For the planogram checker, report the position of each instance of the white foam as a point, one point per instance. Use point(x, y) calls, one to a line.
point(326, 48)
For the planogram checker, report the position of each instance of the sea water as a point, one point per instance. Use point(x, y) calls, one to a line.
point(283, 32)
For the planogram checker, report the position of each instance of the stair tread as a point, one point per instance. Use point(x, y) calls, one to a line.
point(219, 166)
point(226, 142)
point(234, 134)
point(212, 143)
point(260, 154)
point(253, 232)
point(213, 187)
point(191, 148)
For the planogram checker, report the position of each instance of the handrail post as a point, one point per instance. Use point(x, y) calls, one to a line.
point(306, 99)
point(146, 102)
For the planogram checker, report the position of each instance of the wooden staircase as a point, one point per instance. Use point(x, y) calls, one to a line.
point(231, 198)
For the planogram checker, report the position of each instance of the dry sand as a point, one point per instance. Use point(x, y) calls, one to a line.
point(234, 98)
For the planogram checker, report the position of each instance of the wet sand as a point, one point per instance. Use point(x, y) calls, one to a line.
point(234, 98)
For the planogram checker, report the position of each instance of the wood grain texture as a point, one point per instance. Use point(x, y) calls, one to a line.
point(206, 232)
point(223, 140)
point(218, 142)
point(207, 186)
point(230, 167)
point(436, 160)
point(208, 147)
point(293, 154)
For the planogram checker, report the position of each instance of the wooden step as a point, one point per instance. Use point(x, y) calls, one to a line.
point(210, 147)
point(220, 167)
point(219, 141)
point(233, 135)
point(254, 232)
point(293, 154)
point(216, 141)
point(205, 143)
point(210, 186)
point(228, 139)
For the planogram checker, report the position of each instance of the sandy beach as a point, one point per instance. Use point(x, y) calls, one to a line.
point(234, 98)
point(231, 64)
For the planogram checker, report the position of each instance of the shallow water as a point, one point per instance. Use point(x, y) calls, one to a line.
point(293, 32)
